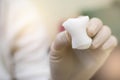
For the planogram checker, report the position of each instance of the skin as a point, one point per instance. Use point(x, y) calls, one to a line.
point(72, 64)
point(111, 68)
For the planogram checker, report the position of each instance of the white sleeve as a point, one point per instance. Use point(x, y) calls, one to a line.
point(31, 43)
point(31, 57)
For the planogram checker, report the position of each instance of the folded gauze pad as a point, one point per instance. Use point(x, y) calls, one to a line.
point(77, 29)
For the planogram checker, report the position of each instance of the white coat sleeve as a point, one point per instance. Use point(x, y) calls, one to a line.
point(30, 42)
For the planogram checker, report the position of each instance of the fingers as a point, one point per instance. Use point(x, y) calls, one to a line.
point(110, 43)
point(102, 36)
point(94, 26)
point(95, 29)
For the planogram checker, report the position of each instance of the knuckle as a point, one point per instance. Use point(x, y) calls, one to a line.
point(91, 32)
point(107, 29)
point(55, 58)
point(114, 39)
point(110, 43)
point(96, 20)
point(94, 26)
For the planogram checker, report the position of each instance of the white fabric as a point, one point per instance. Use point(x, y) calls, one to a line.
point(23, 42)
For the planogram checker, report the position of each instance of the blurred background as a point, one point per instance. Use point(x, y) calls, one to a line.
point(59, 10)
point(109, 15)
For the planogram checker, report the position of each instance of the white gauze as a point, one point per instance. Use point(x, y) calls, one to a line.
point(77, 29)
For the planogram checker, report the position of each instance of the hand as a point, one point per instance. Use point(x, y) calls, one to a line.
point(72, 64)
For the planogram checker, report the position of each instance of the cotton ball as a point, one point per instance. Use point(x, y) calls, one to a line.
point(77, 29)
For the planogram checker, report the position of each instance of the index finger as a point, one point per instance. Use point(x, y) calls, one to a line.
point(94, 26)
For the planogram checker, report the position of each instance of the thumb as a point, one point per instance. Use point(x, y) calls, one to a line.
point(58, 60)
point(60, 44)
point(62, 40)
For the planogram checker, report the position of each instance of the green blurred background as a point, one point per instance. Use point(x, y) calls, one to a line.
point(56, 11)
point(109, 15)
